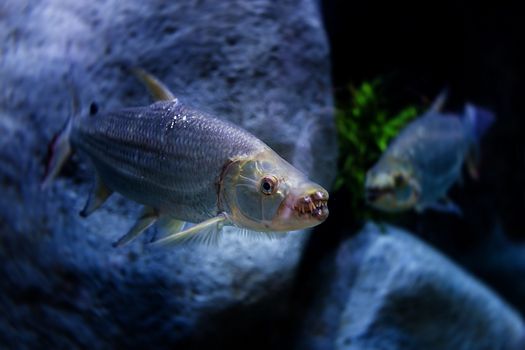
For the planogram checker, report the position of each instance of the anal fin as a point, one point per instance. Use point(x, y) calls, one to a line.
point(146, 219)
point(99, 195)
point(205, 232)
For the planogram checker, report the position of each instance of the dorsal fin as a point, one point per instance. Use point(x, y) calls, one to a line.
point(157, 89)
point(439, 101)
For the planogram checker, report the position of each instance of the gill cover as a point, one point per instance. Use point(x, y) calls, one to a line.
point(253, 190)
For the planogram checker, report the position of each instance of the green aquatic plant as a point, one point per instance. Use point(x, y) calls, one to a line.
point(365, 126)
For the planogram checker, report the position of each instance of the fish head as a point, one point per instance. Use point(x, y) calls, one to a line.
point(266, 193)
point(391, 185)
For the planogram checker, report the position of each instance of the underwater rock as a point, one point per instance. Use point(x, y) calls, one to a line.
point(498, 261)
point(386, 289)
point(263, 65)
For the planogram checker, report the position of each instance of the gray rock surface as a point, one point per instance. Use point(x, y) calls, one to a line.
point(261, 64)
point(385, 289)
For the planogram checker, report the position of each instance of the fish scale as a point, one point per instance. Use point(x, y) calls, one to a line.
point(164, 153)
point(414, 146)
point(186, 165)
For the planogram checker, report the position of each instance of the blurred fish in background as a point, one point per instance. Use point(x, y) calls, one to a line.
point(426, 159)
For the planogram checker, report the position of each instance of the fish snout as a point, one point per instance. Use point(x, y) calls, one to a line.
point(313, 205)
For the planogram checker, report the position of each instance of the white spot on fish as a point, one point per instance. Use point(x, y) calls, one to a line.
point(383, 180)
point(173, 121)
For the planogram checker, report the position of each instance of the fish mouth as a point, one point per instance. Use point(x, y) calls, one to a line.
point(313, 205)
point(372, 194)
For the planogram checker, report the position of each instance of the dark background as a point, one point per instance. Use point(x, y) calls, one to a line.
point(474, 50)
point(477, 52)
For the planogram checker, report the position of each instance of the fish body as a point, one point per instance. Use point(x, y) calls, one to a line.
point(167, 155)
point(425, 160)
point(186, 165)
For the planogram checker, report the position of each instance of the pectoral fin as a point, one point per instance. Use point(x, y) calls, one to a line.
point(206, 232)
point(146, 219)
point(259, 236)
point(99, 195)
point(157, 89)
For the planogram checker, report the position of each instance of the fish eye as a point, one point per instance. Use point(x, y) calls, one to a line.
point(268, 185)
point(399, 179)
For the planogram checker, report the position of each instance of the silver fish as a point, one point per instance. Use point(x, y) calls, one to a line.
point(185, 165)
point(426, 159)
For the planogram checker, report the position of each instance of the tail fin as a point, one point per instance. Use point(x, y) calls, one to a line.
point(478, 120)
point(59, 149)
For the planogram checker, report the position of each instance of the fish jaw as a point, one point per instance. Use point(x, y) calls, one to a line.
point(379, 191)
point(392, 187)
point(302, 210)
point(384, 199)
